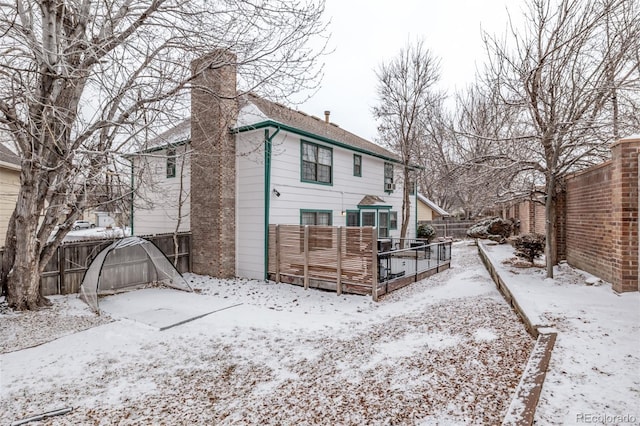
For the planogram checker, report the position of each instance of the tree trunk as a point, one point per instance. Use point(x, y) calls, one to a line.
point(9, 253)
point(23, 286)
point(550, 251)
point(406, 204)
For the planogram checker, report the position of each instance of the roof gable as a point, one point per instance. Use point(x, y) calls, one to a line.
point(307, 123)
point(436, 208)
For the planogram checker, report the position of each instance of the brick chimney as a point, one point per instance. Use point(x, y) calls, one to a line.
point(214, 109)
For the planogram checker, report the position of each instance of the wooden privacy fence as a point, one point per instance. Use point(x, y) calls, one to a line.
point(346, 259)
point(64, 272)
point(449, 227)
point(343, 259)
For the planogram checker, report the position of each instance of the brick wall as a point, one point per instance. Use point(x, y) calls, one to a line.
point(213, 110)
point(530, 213)
point(588, 221)
point(537, 221)
point(524, 217)
point(624, 201)
point(597, 223)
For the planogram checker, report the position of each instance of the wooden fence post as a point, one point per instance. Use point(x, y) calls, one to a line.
point(306, 257)
point(61, 261)
point(190, 245)
point(339, 261)
point(374, 264)
point(277, 253)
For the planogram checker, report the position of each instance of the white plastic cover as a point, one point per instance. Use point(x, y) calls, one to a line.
point(128, 263)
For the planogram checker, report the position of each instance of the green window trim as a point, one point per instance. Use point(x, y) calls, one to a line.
point(321, 238)
point(383, 223)
point(389, 185)
point(374, 216)
point(393, 220)
point(171, 162)
point(368, 214)
point(307, 211)
point(313, 163)
point(357, 165)
point(354, 215)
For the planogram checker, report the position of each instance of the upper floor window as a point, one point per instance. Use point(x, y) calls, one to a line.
point(171, 162)
point(388, 177)
point(317, 163)
point(357, 165)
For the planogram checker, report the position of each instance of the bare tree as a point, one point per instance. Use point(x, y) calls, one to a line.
point(407, 95)
point(82, 82)
point(562, 73)
point(488, 162)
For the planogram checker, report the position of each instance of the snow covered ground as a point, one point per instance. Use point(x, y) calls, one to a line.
point(446, 350)
point(594, 373)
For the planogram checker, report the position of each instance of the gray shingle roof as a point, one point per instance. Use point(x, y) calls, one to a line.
point(177, 134)
point(281, 114)
point(299, 120)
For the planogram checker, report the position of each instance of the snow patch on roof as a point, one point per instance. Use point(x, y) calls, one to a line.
point(433, 205)
point(250, 114)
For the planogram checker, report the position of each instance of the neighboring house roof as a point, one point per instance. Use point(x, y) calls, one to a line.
point(8, 159)
point(436, 208)
point(256, 112)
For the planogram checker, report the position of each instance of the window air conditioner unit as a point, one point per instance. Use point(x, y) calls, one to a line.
point(389, 186)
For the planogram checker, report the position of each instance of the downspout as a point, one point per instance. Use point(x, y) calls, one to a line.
point(415, 210)
point(267, 194)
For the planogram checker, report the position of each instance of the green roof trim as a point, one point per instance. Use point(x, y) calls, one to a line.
point(303, 133)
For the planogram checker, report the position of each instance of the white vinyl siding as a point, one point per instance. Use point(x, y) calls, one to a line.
point(250, 183)
point(9, 188)
point(156, 207)
point(345, 192)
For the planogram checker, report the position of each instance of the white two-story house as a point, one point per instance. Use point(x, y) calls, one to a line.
point(270, 165)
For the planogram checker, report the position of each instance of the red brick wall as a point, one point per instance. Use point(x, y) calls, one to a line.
point(523, 213)
point(588, 221)
point(538, 222)
point(561, 224)
point(597, 223)
point(530, 214)
point(624, 197)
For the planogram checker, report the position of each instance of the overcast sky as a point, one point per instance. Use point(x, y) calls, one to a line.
point(367, 32)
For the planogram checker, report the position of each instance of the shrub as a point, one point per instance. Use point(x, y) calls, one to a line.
point(427, 232)
point(495, 229)
point(529, 246)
